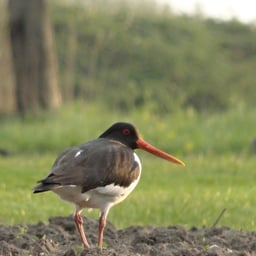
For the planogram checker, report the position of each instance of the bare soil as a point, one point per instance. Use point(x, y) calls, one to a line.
point(60, 237)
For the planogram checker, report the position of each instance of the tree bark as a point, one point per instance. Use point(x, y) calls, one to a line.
point(33, 56)
point(7, 93)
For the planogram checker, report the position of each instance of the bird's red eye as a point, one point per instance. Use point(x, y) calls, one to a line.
point(126, 131)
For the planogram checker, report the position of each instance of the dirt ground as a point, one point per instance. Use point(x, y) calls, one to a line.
point(60, 237)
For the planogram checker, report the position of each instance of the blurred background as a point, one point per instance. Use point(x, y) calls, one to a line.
point(182, 71)
point(125, 54)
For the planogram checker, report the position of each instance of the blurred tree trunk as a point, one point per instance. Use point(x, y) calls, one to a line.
point(7, 94)
point(33, 56)
point(68, 79)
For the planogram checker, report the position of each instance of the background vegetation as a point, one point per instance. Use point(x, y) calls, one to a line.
point(129, 58)
point(217, 150)
point(188, 85)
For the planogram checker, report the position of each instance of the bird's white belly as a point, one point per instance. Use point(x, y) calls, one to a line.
point(99, 197)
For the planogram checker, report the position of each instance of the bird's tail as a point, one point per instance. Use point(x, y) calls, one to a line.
point(43, 187)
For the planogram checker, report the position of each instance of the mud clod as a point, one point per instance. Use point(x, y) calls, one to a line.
point(60, 238)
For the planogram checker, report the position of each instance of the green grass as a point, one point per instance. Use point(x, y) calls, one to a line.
point(219, 173)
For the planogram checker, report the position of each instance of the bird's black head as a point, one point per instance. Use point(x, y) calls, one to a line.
point(123, 132)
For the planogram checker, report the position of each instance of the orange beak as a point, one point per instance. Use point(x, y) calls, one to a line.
point(142, 144)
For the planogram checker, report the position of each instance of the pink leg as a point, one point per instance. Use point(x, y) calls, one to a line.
point(102, 225)
point(79, 225)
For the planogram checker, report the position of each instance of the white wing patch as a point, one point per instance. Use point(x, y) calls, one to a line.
point(78, 153)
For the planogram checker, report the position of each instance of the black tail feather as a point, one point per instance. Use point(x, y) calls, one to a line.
point(44, 187)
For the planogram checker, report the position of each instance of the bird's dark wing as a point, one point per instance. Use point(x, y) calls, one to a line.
point(94, 164)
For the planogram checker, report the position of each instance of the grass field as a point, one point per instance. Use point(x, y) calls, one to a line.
point(220, 166)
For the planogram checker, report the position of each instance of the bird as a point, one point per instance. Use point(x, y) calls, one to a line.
point(100, 173)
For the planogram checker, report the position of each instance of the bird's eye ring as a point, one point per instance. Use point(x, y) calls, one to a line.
point(126, 131)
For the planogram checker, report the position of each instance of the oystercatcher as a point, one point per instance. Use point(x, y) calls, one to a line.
point(99, 173)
